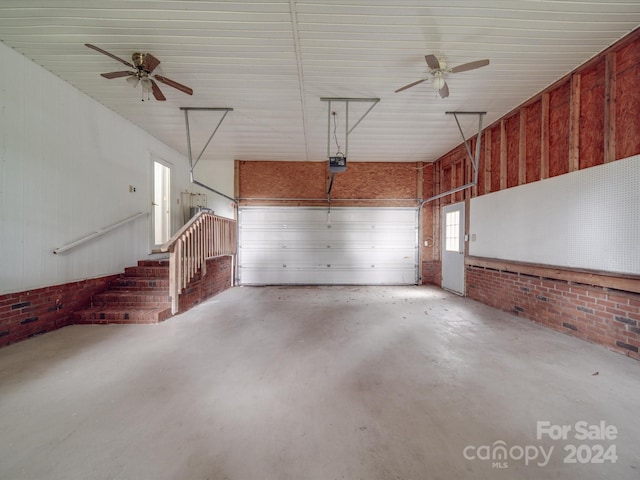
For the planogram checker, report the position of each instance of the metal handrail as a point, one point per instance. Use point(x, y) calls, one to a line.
point(98, 233)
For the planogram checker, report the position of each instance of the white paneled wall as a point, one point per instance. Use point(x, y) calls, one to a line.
point(66, 163)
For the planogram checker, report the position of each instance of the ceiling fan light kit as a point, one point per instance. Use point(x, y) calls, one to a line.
point(142, 65)
point(438, 68)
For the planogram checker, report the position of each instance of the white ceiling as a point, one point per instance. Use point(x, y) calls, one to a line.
point(273, 60)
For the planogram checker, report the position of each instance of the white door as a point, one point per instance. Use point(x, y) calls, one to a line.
point(160, 205)
point(453, 248)
point(310, 246)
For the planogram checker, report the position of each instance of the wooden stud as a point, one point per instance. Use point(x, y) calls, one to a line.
point(503, 154)
point(610, 108)
point(471, 170)
point(487, 161)
point(574, 124)
point(522, 149)
point(236, 178)
point(544, 137)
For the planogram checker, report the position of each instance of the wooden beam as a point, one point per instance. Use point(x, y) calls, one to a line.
point(487, 161)
point(610, 108)
point(522, 148)
point(503, 154)
point(544, 138)
point(627, 283)
point(454, 179)
point(574, 124)
point(236, 179)
point(420, 180)
point(470, 170)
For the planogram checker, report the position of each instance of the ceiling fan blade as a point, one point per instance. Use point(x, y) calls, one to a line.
point(444, 91)
point(433, 62)
point(104, 52)
point(111, 75)
point(174, 84)
point(470, 66)
point(410, 85)
point(150, 62)
point(157, 93)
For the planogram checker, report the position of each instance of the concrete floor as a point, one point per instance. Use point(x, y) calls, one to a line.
point(315, 383)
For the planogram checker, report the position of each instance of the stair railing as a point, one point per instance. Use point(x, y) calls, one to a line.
point(204, 236)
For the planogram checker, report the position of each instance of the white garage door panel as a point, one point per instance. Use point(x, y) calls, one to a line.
point(358, 246)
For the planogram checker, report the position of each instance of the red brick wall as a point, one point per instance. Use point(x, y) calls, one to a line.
point(217, 279)
point(600, 315)
point(26, 314)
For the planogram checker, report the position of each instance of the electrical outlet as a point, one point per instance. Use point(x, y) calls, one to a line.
point(132, 189)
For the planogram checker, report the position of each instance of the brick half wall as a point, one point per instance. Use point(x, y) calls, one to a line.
point(217, 279)
point(34, 312)
point(598, 314)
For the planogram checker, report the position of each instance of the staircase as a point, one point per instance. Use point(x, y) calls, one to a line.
point(140, 295)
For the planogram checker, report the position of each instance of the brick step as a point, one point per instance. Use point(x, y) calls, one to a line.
point(155, 271)
point(157, 297)
point(140, 283)
point(154, 263)
point(125, 315)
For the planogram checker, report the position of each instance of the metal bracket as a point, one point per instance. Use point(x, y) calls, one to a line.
point(192, 164)
point(474, 161)
point(346, 123)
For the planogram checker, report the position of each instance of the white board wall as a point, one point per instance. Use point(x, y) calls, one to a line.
point(589, 219)
point(66, 163)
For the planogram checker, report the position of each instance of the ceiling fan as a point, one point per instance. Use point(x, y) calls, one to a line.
point(438, 68)
point(143, 65)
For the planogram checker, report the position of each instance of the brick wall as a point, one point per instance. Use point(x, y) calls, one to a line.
point(597, 314)
point(432, 272)
point(26, 314)
point(217, 279)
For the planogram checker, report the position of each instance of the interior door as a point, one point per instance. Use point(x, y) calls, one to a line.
point(160, 205)
point(453, 248)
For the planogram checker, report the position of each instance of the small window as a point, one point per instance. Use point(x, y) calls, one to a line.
point(452, 231)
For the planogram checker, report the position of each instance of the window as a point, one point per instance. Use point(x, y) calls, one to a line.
point(452, 231)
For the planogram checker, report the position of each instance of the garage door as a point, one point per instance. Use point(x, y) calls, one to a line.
point(312, 246)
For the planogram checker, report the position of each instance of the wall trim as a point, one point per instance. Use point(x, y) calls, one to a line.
point(628, 283)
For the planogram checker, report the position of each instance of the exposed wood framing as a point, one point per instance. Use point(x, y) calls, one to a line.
point(610, 108)
point(503, 154)
point(522, 150)
point(487, 161)
point(574, 124)
point(469, 174)
point(420, 180)
point(544, 138)
point(236, 178)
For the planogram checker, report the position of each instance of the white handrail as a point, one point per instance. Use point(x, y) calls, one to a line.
point(100, 232)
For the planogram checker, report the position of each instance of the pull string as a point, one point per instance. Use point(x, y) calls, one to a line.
point(335, 135)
